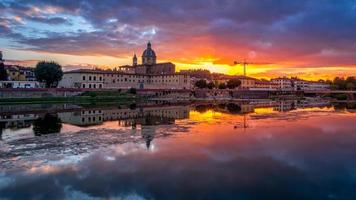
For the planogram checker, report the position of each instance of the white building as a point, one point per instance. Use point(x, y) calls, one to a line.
point(19, 84)
point(304, 85)
point(284, 83)
point(96, 79)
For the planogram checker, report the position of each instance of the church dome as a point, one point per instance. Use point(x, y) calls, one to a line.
point(149, 51)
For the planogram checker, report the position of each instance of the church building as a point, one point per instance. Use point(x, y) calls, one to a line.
point(149, 65)
point(147, 75)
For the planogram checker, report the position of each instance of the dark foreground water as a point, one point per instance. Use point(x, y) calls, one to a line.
point(246, 150)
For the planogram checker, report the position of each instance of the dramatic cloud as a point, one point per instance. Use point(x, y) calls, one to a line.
point(305, 33)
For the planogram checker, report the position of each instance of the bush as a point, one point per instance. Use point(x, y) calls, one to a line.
point(132, 91)
point(233, 83)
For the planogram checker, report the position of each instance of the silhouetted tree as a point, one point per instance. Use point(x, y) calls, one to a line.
point(233, 108)
point(3, 73)
point(210, 85)
point(222, 86)
point(233, 83)
point(49, 123)
point(132, 91)
point(201, 84)
point(350, 86)
point(48, 72)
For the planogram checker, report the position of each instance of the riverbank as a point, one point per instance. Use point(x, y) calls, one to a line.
point(85, 98)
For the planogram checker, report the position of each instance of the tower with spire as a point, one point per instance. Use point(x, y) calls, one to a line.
point(134, 60)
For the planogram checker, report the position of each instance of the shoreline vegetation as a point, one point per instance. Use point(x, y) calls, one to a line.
point(85, 98)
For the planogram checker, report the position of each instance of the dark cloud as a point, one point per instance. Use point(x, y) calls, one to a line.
point(275, 30)
point(52, 20)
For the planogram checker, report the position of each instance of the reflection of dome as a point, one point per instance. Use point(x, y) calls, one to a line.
point(149, 55)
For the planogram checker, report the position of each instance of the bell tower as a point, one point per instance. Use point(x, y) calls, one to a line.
point(134, 60)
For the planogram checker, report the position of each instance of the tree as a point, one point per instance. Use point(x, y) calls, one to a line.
point(350, 86)
point(48, 72)
point(3, 73)
point(233, 108)
point(201, 84)
point(210, 85)
point(222, 86)
point(49, 123)
point(132, 91)
point(233, 83)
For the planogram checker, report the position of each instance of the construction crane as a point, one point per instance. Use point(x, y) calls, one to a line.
point(244, 64)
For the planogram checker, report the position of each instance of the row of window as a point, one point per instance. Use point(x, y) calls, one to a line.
point(91, 85)
point(91, 119)
point(94, 78)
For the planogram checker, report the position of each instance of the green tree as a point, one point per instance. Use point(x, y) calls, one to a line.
point(233, 83)
point(49, 73)
point(201, 84)
point(3, 73)
point(222, 86)
point(132, 91)
point(350, 86)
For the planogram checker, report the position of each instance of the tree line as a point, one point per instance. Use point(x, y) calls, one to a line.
point(230, 84)
point(340, 83)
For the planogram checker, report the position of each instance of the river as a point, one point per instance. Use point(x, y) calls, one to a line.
point(233, 150)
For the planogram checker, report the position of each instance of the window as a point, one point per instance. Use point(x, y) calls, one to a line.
point(83, 86)
point(94, 86)
point(94, 78)
point(89, 85)
point(100, 78)
point(83, 78)
point(89, 78)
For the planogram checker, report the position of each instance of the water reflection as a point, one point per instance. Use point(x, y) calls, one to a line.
point(241, 150)
point(47, 124)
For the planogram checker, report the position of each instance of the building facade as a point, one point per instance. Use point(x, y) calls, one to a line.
point(19, 73)
point(96, 79)
point(149, 64)
point(19, 84)
point(148, 75)
point(284, 83)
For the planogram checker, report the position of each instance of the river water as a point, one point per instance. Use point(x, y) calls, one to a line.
point(242, 150)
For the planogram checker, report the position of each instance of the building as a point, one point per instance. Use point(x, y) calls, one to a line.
point(94, 79)
point(148, 75)
point(247, 82)
point(18, 76)
point(284, 83)
point(265, 85)
point(317, 86)
point(149, 64)
point(304, 85)
point(19, 73)
point(19, 84)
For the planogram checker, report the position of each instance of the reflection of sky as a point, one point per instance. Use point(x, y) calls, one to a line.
point(311, 158)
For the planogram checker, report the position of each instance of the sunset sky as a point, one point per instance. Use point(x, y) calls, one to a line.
point(311, 39)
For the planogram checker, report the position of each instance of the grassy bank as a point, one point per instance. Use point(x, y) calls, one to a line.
point(87, 97)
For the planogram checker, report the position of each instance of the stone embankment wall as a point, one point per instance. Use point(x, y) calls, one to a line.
point(226, 94)
point(38, 92)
